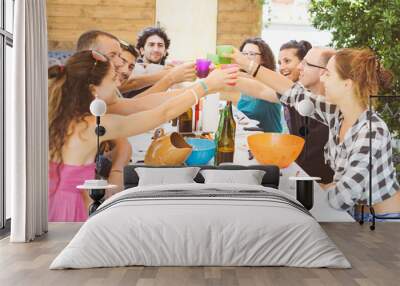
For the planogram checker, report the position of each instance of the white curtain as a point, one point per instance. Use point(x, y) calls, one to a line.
point(27, 128)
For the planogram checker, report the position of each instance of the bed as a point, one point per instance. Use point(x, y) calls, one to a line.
point(201, 224)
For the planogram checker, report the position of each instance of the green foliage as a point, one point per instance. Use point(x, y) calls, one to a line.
point(362, 23)
point(367, 23)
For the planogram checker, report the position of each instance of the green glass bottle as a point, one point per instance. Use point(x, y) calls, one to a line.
point(225, 141)
point(220, 125)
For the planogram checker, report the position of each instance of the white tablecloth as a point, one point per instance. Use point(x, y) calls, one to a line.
point(322, 211)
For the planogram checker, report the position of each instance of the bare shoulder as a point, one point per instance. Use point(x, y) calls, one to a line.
point(84, 129)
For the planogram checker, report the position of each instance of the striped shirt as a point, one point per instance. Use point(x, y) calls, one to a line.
point(350, 158)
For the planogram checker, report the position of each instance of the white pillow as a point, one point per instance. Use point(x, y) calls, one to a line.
point(166, 176)
point(248, 177)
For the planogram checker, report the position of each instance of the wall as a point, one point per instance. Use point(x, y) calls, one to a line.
point(193, 33)
point(66, 20)
point(237, 19)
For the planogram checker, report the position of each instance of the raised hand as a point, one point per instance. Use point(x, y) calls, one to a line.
point(219, 78)
point(183, 72)
point(239, 59)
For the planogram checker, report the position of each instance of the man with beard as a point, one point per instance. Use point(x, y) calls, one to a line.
point(152, 44)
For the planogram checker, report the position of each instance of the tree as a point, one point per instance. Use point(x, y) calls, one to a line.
point(367, 23)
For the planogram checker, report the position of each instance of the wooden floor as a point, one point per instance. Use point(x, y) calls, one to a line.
point(375, 257)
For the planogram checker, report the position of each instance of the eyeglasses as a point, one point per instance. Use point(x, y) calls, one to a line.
point(129, 48)
point(312, 65)
point(98, 57)
point(251, 54)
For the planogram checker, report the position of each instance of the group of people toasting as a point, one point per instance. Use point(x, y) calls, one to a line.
point(338, 83)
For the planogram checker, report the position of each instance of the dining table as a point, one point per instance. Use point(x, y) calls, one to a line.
point(321, 210)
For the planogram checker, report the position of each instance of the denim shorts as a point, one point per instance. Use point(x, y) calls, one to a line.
point(392, 217)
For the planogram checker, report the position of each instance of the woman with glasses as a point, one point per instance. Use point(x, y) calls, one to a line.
point(72, 140)
point(350, 77)
point(267, 113)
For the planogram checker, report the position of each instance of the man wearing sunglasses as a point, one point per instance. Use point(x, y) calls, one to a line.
point(129, 55)
point(110, 46)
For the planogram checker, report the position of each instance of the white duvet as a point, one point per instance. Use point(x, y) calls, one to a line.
point(188, 231)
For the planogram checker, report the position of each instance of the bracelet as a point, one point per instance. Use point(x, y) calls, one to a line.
point(204, 86)
point(196, 97)
point(116, 170)
point(251, 66)
point(256, 71)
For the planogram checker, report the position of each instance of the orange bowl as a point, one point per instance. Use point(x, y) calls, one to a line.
point(275, 148)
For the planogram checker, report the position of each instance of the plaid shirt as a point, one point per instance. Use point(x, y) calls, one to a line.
point(350, 159)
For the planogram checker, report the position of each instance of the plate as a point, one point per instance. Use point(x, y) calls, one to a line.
point(90, 187)
point(249, 122)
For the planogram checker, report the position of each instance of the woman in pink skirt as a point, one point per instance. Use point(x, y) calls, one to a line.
point(72, 140)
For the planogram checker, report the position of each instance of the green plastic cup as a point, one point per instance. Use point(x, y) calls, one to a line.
point(224, 49)
point(214, 58)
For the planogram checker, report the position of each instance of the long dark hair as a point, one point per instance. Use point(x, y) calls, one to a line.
point(267, 56)
point(70, 96)
point(301, 48)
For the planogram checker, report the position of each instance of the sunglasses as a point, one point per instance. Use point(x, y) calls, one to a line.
point(128, 47)
point(98, 57)
point(125, 44)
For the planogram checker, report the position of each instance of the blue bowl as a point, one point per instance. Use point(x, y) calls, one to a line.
point(202, 152)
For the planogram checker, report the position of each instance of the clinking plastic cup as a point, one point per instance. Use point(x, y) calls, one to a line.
point(214, 58)
point(224, 49)
point(228, 66)
point(202, 67)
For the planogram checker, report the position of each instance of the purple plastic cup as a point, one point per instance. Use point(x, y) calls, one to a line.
point(202, 67)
